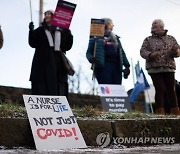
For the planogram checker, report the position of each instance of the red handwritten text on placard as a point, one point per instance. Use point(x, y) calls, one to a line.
point(43, 133)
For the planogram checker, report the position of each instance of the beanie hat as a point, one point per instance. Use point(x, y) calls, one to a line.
point(51, 11)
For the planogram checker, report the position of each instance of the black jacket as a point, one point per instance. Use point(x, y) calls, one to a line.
point(47, 65)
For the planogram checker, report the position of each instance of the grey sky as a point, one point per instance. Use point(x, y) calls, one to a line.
point(132, 20)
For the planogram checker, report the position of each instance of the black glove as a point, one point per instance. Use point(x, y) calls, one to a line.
point(93, 60)
point(31, 26)
point(126, 72)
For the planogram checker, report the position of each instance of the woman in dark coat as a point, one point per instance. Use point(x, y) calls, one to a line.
point(48, 75)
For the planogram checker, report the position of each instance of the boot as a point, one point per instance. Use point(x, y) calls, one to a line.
point(175, 111)
point(160, 111)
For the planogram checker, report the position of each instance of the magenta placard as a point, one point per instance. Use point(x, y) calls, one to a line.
point(63, 14)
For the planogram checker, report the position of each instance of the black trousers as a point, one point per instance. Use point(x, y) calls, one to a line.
point(38, 88)
point(165, 87)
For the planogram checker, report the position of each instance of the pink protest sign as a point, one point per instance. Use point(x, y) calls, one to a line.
point(63, 14)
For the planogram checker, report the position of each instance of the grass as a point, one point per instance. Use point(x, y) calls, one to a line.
point(89, 112)
point(10, 110)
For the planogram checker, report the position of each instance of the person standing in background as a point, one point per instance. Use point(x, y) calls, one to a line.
point(48, 74)
point(159, 51)
point(110, 57)
point(1, 38)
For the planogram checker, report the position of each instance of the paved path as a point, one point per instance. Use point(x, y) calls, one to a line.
point(159, 149)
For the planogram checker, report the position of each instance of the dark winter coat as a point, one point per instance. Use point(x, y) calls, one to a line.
point(47, 65)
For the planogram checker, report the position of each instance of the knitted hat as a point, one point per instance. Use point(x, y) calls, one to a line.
point(51, 11)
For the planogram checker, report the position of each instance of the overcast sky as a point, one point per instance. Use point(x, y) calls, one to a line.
point(132, 20)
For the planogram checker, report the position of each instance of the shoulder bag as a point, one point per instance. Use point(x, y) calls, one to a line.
point(67, 64)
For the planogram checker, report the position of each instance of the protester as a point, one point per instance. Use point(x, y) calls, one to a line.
point(48, 75)
point(159, 50)
point(109, 58)
point(1, 38)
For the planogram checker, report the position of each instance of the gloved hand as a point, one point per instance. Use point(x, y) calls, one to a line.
point(31, 26)
point(93, 60)
point(126, 72)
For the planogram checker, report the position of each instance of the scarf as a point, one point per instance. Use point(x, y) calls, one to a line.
point(57, 39)
point(111, 38)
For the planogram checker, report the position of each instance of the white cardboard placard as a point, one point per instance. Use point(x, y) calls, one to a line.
point(110, 90)
point(53, 124)
point(114, 98)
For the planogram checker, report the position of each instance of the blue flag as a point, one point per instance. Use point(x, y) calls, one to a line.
point(140, 85)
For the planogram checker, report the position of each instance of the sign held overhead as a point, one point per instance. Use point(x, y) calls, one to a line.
point(63, 14)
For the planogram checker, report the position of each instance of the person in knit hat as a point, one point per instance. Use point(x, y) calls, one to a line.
point(51, 11)
point(48, 74)
point(1, 38)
